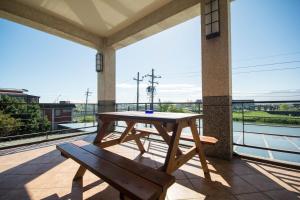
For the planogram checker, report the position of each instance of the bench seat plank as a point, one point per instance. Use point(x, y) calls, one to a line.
point(131, 185)
point(155, 176)
point(204, 139)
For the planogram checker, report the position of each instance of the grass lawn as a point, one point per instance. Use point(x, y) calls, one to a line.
point(264, 117)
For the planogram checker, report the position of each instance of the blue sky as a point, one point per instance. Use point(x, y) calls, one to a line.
point(265, 58)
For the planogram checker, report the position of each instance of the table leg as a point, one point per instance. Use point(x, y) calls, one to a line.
point(101, 133)
point(199, 147)
point(173, 147)
point(130, 126)
point(137, 140)
point(163, 133)
point(79, 174)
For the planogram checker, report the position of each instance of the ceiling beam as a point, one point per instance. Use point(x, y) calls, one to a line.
point(175, 7)
point(20, 13)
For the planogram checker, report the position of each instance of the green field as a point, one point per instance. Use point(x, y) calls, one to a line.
point(88, 118)
point(264, 117)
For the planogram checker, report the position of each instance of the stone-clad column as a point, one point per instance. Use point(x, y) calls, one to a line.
point(107, 81)
point(216, 84)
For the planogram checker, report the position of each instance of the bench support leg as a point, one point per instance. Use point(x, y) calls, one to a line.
point(130, 127)
point(79, 174)
point(163, 196)
point(200, 150)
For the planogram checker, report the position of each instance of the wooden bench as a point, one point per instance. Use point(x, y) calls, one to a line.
point(208, 140)
point(132, 179)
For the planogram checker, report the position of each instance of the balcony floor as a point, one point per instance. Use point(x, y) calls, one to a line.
point(43, 173)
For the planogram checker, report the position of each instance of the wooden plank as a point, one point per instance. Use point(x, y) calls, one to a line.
point(204, 139)
point(101, 133)
point(131, 185)
point(170, 158)
point(79, 174)
point(142, 117)
point(200, 148)
point(157, 177)
point(163, 133)
point(129, 127)
point(137, 139)
point(140, 145)
point(117, 141)
point(181, 160)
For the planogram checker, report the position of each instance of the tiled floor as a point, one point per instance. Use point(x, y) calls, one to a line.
point(43, 174)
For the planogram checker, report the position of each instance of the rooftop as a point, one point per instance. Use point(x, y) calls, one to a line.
point(42, 173)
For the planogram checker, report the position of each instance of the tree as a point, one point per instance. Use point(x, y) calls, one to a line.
point(283, 107)
point(8, 124)
point(25, 118)
point(171, 108)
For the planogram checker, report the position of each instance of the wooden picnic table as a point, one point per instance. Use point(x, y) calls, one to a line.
point(163, 122)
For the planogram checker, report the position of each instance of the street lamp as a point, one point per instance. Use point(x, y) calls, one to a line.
point(99, 62)
point(212, 19)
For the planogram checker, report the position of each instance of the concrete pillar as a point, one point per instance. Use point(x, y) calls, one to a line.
point(107, 82)
point(216, 84)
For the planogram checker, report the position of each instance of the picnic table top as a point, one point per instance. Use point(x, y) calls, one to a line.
point(156, 116)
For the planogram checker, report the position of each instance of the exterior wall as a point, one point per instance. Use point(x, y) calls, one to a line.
point(107, 82)
point(57, 114)
point(216, 83)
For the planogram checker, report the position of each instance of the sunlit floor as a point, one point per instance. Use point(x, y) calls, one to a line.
point(44, 174)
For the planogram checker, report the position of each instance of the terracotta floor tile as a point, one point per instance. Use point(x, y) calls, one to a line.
point(261, 182)
point(44, 174)
point(15, 181)
point(183, 189)
point(239, 186)
point(253, 196)
point(282, 195)
point(209, 188)
point(179, 174)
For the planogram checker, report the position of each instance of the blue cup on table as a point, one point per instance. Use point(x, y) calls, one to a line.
point(149, 111)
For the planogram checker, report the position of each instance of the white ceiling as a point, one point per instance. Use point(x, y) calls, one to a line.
point(101, 17)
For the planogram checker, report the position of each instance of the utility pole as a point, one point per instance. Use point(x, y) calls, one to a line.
point(152, 82)
point(138, 80)
point(87, 94)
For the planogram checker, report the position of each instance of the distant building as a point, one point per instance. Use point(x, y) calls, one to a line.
point(19, 94)
point(58, 113)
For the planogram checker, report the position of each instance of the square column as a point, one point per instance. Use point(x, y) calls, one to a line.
point(106, 81)
point(216, 83)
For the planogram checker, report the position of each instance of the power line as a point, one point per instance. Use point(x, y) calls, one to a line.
point(249, 66)
point(267, 70)
point(254, 71)
point(270, 56)
point(267, 64)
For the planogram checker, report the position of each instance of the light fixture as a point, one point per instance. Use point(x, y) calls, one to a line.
point(99, 62)
point(212, 19)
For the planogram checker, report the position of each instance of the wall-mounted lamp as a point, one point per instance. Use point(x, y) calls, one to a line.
point(212, 19)
point(99, 62)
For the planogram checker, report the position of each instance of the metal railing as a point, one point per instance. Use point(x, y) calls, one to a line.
point(274, 122)
point(26, 123)
point(253, 122)
point(268, 126)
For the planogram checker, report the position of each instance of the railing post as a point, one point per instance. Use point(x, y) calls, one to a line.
point(94, 113)
point(146, 108)
point(199, 120)
point(52, 118)
point(243, 119)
